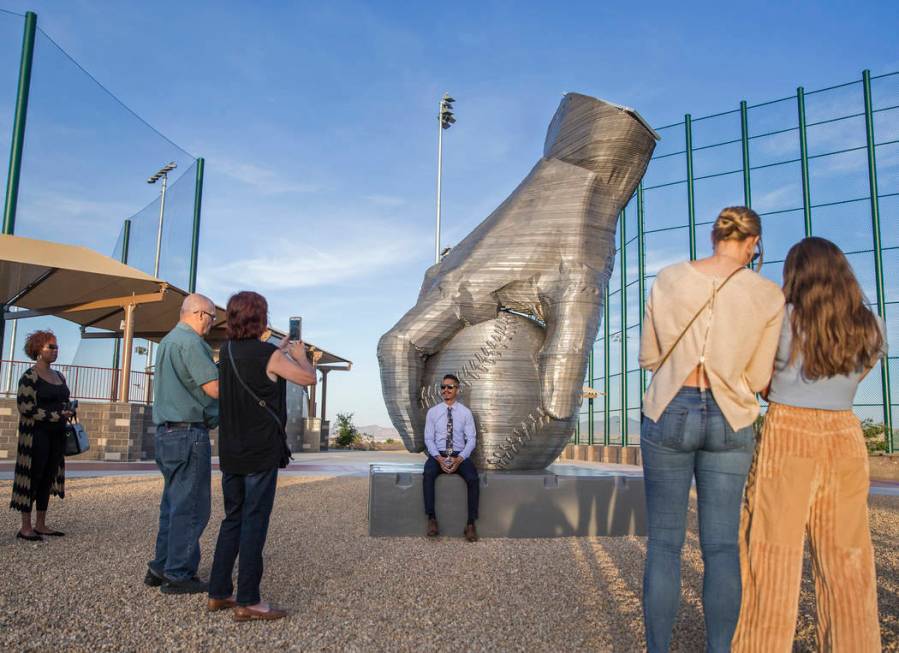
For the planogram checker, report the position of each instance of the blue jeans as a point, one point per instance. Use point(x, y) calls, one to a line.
point(184, 456)
point(248, 505)
point(692, 438)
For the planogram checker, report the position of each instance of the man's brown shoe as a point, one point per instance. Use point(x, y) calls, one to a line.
point(433, 530)
point(471, 533)
point(244, 613)
point(214, 605)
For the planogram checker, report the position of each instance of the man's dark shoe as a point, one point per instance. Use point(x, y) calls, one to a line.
point(433, 529)
point(188, 586)
point(471, 533)
point(153, 578)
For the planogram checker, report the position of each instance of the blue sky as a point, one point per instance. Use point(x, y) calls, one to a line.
point(317, 123)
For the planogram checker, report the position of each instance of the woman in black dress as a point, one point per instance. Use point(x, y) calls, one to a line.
point(253, 413)
point(43, 403)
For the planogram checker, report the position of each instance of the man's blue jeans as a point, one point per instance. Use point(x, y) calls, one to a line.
point(248, 505)
point(692, 438)
point(184, 456)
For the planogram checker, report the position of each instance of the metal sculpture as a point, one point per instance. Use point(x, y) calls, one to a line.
point(545, 253)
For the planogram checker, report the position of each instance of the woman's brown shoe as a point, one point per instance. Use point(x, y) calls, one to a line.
point(214, 605)
point(433, 529)
point(471, 534)
point(244, 613)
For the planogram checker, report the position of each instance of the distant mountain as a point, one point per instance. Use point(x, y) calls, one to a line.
point(377, 432)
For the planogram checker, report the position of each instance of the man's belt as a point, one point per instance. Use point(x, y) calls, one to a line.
point(183, 425)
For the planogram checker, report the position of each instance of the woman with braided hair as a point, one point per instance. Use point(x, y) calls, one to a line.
point(43, 403)
point(709, 338)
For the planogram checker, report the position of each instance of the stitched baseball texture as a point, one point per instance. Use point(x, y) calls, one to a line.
point(500, 384)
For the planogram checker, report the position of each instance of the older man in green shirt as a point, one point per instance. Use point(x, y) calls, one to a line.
point(185, 407)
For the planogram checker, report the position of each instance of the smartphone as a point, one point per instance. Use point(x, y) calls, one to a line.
point(296, 329)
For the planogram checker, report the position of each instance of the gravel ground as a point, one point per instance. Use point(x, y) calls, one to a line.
point(346, 591)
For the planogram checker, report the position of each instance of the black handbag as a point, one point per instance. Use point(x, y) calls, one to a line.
point(286, 456)
point(76, 438)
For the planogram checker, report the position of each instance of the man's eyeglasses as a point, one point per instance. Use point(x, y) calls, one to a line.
point(211, 315)
point(53, 347)
point(447, 387)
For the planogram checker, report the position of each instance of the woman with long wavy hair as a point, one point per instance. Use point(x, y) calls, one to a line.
point(810, 472)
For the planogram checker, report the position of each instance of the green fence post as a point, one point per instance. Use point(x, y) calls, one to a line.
point(195, 235)
point(622, 221)
point(744, 138)
point(878, 253)
point(126, 242)
point(590, 439)
point(605, 362)
point(803, 159)
point(18, 127)
point(16, 145)
point(691, 203)
point(641, 272)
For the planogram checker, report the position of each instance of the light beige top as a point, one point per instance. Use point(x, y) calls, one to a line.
point(734, 339)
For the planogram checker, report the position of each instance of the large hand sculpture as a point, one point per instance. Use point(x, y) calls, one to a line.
point(546, 252)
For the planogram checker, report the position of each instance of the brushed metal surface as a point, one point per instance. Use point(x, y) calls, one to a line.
point(547, 251)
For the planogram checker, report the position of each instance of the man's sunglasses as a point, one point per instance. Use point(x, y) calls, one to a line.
point(447, 387)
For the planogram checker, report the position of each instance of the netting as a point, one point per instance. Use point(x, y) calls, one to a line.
point(11, 26)
point(704, 157)
point(86, 160)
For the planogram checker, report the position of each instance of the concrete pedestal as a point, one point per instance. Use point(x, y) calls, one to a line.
point(560, 501)
point(311, 437)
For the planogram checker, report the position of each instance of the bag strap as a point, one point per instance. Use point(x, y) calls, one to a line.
point(690, 323)
point(259, 401)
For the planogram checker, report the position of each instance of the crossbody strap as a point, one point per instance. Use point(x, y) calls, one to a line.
point(259, 401)
point(690, 323)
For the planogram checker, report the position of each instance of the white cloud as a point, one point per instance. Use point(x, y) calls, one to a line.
point(285, 265)
point(779, 198)
point(262, 179)
point(385, 200)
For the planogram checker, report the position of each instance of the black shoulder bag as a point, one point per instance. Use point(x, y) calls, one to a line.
point(286, 456)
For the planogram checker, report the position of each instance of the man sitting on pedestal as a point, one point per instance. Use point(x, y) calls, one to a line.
point(450, 439)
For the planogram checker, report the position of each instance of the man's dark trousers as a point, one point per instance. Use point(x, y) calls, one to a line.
point(466, 470)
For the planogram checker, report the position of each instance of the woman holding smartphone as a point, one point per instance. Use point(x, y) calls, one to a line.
point(253, 412)
point(810, 473)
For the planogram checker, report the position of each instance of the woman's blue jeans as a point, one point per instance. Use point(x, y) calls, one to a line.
point(693, 439)
point(248, 505)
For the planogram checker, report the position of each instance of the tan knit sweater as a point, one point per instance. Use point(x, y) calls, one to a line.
point(735, 338)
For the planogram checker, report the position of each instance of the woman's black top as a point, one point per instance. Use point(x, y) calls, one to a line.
point(250, 440)
point(51, 398)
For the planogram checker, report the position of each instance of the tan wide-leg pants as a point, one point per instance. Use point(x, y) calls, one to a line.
point(810, 474)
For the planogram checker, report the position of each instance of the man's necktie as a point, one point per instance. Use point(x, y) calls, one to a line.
point(449, 431)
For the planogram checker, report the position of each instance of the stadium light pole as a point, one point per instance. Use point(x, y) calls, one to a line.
point(444, 120)
point(162, 173)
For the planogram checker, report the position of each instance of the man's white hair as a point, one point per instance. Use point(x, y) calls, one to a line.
point(196, 302)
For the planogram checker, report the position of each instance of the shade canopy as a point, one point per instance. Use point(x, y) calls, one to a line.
point(83, 286)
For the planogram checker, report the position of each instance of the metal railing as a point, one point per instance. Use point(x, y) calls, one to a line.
point(85, 382)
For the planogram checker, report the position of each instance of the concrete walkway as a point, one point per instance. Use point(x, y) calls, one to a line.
point(354, 463)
